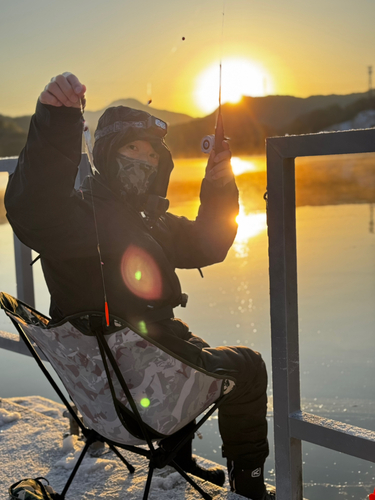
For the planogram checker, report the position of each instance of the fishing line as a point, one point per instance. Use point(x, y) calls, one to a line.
point(215, 141)
point(158, 69)
point(106, 310)
point(88, 144)
point(219, 131)
point(221, 53)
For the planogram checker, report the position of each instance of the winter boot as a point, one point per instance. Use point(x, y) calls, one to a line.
point(185, 460)
point(249, 482)
point(214, 475)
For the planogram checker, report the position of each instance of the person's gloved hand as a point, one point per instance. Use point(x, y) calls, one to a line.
point(219, 170)
point(63, 90)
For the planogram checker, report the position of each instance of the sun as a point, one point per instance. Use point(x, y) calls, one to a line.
point(240, 77)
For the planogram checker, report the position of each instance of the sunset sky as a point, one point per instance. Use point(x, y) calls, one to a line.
point(135, 48)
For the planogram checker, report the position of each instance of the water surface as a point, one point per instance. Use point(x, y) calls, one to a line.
point(230, 306)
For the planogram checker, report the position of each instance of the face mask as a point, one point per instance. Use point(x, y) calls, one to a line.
point(135, 176)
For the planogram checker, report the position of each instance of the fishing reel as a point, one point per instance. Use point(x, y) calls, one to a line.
point(214, 141)
point(208, 143)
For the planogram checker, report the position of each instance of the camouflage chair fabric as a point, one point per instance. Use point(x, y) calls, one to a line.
point(168, 392)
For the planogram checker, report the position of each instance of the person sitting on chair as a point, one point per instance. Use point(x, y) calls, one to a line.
point(122, 212)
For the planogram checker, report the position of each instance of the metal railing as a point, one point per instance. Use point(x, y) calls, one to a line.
point(22, 255)
point(291, 424)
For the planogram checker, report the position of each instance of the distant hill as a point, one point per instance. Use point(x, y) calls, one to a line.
point(170, 117)
point(13, 131)
point(241, 126)
point(364, 119)
point(278, 111)
point(331, 117)
point(23, 122)
point(92, 117)
point(247, 123)
point(12, 137)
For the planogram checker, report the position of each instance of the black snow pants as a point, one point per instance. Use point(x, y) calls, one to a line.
point(242, 416)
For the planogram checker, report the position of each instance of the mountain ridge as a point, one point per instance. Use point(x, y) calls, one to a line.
point(247, 123)
point(171, 117)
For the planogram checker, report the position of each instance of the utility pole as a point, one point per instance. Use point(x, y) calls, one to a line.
point(370, 81)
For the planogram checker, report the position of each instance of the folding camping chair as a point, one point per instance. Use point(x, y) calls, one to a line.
point(129, 390)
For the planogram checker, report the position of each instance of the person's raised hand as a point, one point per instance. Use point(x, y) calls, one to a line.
point(63, 90)
point(219, 170)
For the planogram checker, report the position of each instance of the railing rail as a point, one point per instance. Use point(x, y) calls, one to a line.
point(291, 425)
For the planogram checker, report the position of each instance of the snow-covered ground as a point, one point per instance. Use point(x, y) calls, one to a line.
point(32, 445)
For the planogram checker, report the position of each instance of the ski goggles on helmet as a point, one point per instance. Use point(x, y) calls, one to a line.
point(152, 125)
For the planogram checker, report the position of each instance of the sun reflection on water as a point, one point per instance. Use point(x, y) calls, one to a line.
point(249, 225)
point(240, 166)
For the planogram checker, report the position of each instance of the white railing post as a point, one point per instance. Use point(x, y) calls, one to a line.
point(291, 425)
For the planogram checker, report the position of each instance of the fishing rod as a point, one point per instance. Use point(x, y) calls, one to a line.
point(215, 141)
point(219, 130)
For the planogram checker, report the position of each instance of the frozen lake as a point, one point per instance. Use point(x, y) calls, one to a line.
point(230, 305)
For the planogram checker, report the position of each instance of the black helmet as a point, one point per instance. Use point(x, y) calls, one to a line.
point(120, 125)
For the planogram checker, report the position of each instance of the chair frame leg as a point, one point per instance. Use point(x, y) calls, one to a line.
point(76, 467)
point(131, 469)
point(46, 373)
point(148, 482)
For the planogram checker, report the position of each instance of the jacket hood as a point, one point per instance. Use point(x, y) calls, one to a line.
point(106, 146)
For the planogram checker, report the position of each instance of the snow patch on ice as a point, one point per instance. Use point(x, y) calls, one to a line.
point(88, 465)
point(40, 405)
point(69, 443)
point(8, 416)
point(167, 483)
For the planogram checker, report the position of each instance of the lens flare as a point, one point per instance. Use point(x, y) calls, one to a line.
point(138, 275)
point(141, 274)
point(143, 327)
point(145, 402)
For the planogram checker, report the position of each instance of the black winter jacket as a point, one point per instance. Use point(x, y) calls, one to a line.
point(51, 217)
